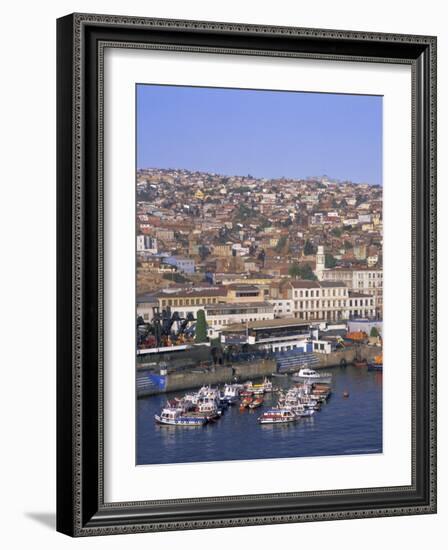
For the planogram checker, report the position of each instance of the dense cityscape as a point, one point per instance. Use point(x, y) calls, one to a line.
point(244, 249)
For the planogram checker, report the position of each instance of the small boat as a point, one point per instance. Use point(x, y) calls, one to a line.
point(360, 363)
point(175, 417)
point(277, 416)
point(310, 375)
point(231, 393)
point(304, 413)
point(246, 402)
point(376, 364)
point(257, 402)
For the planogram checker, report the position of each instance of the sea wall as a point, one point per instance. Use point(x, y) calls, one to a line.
point(218, 375)
point(347, 356)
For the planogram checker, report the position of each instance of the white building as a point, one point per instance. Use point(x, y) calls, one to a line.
point(283, 308)
point(145, 243)
point(221, 315)
point(361, 305)
point(367, 281)
point(323, 301)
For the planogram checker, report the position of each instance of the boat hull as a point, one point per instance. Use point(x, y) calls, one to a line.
point(375, 367)
point(184, 422)
point(276, 420)
point(312, 380)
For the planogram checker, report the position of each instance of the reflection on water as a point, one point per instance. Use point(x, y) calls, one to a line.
point(350, 425)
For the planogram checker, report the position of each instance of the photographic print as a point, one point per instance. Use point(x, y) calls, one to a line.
point(259, 272)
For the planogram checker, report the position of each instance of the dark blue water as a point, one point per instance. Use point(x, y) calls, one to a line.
point(343, 426)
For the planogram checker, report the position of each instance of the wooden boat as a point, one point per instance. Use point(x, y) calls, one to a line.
point(257, 402)
point(246, 402)
point(360, 363)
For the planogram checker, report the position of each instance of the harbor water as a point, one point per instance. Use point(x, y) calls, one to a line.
point(343, 426)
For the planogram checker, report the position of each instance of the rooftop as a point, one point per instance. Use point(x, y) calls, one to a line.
point(239, 305)
point(305, 284)
point(189, 291)
point(332, 284)
point(272, 323)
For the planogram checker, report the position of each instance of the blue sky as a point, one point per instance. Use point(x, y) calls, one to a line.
point(262, 133)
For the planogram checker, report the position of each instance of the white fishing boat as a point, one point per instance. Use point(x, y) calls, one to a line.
point(310, 375)
point(175, 417)
point(231, 393)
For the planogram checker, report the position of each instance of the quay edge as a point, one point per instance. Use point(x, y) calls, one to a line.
point(193, 378)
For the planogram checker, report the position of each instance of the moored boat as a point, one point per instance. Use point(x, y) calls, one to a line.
point(175, 417)
point(310, 375)
point(277, 416)
point(257, 402)
point(246, 402)
point(376, 364)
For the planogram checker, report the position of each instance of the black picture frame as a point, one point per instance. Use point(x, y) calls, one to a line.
point(81, 510)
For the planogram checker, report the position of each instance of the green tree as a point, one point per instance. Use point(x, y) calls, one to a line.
point(347, 244)
point(294, 271)
point(281, 243)
point(303, 271)
point(336, 231)
point(330, 261)
point(374, 332)
point(307, 273)
point(308, 249)
point(201, 327)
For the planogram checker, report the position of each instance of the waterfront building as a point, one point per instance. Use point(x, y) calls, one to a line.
point(277, 335)
point(222, 315)
point(313, 300)
point(321, 301)
point(360, 305)
point(364, 280)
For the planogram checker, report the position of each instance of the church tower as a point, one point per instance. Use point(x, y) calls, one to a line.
point(320, 262)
